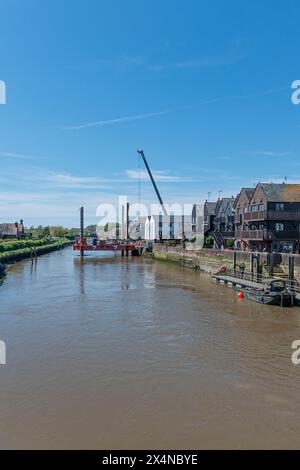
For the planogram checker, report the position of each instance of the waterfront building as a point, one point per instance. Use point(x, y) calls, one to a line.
point(224, 211)
point(241, 207)
point(208, 214)
point(223, 221)
point(168, 227)
point(198, 218)
point(268, 219)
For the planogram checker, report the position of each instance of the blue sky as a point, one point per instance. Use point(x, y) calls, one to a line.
point(204, 87)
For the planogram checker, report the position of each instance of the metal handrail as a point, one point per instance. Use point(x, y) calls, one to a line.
point(292, 284)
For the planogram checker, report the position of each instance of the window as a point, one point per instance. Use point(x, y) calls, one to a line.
point(261, 207)
point(245, 209)
point(279, 206)
point(254, 208)
point(279, 227)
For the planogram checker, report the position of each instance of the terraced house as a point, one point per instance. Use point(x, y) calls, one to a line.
point(223, 221)
point(267, 218)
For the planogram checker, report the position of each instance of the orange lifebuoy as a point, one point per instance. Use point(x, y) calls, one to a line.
point(223, 269)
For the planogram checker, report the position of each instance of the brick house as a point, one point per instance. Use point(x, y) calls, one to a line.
point(269, 218)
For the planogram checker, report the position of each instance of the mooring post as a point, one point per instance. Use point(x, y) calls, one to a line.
point(291, 269)
point(127, 226)
point(234, 263)
point(252, 265)
point(271, 264)
point(81, 231)
point(117, 229)
point(258, 267)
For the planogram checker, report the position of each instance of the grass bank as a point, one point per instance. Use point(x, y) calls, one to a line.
point(13, 251)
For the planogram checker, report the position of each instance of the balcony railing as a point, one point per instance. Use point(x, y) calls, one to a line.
point(228, 234)
point(267, 235)
point(269, 215)
point(250, 234)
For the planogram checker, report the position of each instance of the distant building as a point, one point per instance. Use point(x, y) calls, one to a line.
point(171, 227)
point(12, 230)
point(197, 218)
point(224, 215)
point(268, 219)
point(137, 228)
point(209, 214)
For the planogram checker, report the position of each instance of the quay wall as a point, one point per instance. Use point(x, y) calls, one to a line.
point(210, 260)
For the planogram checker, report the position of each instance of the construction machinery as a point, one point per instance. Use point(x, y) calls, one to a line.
point(141, 153)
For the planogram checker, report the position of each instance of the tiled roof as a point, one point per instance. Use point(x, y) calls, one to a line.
point(210, 207)
point(281, 192)
point(10, 229)
point(249, 192)
point(223, 203)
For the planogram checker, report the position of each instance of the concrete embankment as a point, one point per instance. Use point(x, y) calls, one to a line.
point(193, 259)
point(210, 260)
point(18, 255)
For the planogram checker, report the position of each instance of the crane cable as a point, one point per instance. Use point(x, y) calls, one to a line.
point(139, 180)
point(138, 228)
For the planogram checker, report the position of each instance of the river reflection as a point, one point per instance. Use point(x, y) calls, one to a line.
point(112, 352)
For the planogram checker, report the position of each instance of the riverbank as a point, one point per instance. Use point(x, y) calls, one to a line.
point(211, 260)
point(31, 248)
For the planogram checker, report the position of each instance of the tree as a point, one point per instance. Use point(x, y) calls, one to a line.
point(57, 231)
point(208, 242)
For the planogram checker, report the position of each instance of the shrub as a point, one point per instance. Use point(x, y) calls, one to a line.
point(13, 245)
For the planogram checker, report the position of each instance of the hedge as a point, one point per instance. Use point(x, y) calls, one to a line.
point(18, 254)
point(21, 244)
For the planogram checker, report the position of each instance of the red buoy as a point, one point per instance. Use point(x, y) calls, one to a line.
point(241, 295)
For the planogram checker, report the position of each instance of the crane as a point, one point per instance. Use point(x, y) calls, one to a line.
point(141, 153)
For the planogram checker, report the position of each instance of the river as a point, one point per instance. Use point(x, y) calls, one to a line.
point(111, 352)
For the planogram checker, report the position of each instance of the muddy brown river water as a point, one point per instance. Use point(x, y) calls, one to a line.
point(128, 353)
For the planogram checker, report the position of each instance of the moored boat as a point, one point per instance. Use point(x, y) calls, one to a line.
point(274, 293)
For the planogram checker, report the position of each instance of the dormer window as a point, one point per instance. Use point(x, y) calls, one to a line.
point(254, 208)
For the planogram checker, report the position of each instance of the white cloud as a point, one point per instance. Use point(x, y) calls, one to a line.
point(158, 176)
point(70, 181)
point(268, 153)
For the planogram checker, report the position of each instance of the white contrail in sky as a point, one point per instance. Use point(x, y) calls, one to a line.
point(172, 110)
point(117, 120)
point(15, 155)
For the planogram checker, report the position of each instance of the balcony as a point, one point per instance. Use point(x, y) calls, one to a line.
point(251, 234)
point(271, 215)
point(228, 234)
point(267, 235)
